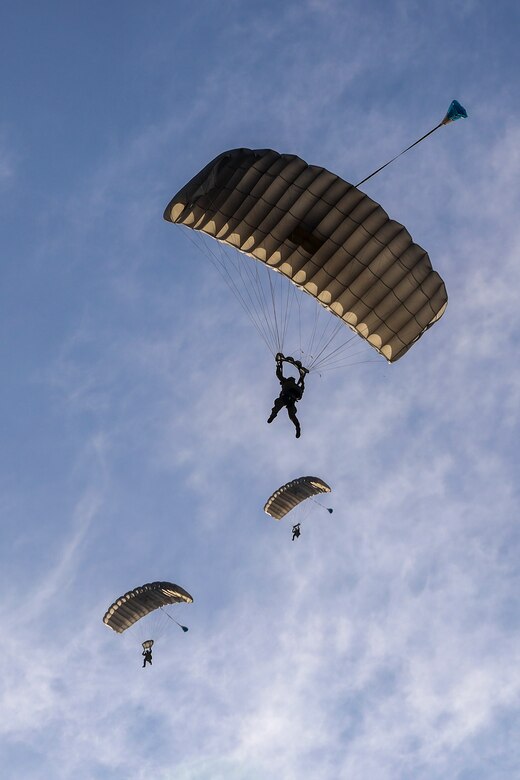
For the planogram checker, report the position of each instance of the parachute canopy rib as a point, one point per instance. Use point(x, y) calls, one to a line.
point(138, 603)
point(293, 493)
point(325, 235)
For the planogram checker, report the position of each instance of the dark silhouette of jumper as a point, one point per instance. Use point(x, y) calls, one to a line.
point(296, 531)
point(147, 657)
point(291, 392)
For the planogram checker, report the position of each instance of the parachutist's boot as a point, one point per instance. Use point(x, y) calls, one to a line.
point(298, 432)
point(271, 417)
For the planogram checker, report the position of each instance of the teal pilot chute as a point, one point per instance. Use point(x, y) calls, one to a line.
point(454, 112)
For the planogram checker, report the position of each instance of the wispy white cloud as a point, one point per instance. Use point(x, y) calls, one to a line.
point(8, 158)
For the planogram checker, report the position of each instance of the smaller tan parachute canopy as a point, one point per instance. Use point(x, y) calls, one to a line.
point(138, 603)
point(293, 493)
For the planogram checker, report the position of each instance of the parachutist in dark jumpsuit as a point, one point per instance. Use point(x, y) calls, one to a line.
point(296, 531)
point(147, 657)
point(291, 392)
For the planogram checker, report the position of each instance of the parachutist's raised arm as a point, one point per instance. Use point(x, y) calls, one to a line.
point(279, 370)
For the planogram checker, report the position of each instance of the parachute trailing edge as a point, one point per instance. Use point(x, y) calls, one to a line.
point(138, 603)
point(288, 496)
point(326, 236)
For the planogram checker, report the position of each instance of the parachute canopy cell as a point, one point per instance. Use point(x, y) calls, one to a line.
point(325, 235)
point(138, 603)
point(293, 493)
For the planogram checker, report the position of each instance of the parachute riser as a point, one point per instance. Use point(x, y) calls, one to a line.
point(296, 363)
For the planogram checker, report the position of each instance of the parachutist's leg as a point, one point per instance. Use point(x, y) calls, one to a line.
point(278, 404)
point(291, 411)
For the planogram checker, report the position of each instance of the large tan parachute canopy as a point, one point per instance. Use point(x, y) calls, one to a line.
point(293, 493)
point(325, 235)
point(138, 603)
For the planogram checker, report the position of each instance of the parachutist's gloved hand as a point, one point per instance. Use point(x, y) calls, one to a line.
point(279, 357)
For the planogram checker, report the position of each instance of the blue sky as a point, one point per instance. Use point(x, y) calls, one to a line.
point(384, 644)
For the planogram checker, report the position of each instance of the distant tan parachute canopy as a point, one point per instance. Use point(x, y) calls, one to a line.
point(138, 603)
point(325, 235)
point(293, 493)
